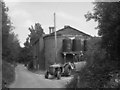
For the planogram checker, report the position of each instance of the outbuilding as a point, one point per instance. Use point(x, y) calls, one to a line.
point(70, 42)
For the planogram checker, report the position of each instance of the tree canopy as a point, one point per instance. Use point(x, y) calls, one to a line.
point(35, 32)
point(10, 42)
point(26, 55)
point(107, 14)
point(102, 69)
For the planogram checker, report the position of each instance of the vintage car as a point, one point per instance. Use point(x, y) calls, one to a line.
point(55, 70)
point(59, 70)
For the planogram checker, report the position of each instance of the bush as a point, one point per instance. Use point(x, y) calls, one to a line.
point(73, 83)
point(0, 73)
point(8, 72)
point(94, 73)
point(31, 65)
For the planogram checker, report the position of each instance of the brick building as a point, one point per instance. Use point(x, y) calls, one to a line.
point(44, 46)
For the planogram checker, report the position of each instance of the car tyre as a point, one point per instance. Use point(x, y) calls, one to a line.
point(69, 72)
point(46, 75)
point(58, 75)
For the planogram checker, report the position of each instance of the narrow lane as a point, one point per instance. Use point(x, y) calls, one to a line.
point(27, 79)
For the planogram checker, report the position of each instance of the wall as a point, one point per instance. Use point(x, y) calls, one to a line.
point(34, 54)
point(41, 60)
point(46, 49)
point(38, 52)
point(50, 50)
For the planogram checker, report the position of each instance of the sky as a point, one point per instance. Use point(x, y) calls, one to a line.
point(23, 14)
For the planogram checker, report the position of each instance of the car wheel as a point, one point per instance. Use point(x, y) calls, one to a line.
point(46, 75)
point(69, 72)
point(58, 75)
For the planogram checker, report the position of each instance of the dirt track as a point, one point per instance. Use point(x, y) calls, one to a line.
point(27, 79)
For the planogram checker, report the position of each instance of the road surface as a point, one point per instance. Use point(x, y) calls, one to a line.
point(27, 79)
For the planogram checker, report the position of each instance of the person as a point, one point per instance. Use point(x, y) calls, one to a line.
point(81, 56)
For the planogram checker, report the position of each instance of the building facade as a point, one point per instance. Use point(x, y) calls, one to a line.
point(44, 48)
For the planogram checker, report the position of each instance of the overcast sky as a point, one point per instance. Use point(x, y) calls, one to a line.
point(25, 14)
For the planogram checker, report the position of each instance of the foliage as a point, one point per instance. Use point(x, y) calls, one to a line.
point(8, 72)
point(13, 48)
point(35, 32)
point(31, 66)
point(6, 27)
point(98, 73)
point(108, 17)
point(73, 83)
point(90, 75)
point(25, 55)
point(10, 43)
point(10, 47)
point(103, 57)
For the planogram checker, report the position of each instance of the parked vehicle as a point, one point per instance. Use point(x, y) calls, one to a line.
point(68, 67)
point(55, 70)
point(59, 70)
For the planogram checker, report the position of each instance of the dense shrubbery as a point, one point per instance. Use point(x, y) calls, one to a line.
point(31, 66)
point(8, 72)
point(103, 59)
point(25, 55)
point(10, 46)
point(98, 72)
point(10, 42)
point(95, 58)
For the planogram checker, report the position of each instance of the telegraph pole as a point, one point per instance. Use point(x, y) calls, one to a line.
point(55, 37)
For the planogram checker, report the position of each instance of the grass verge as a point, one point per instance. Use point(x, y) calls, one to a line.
point(8, 73)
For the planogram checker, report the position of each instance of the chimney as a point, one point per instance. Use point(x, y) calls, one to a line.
point(66, 26)
point(51, 30)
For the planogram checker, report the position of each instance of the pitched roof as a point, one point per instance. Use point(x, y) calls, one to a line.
point(67, 30)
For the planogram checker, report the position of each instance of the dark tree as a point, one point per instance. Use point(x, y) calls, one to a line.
point(107, 14)
point(10, 47)
point(6, 26)
point(10, 43)
point(25, 55)
point(35, 32)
